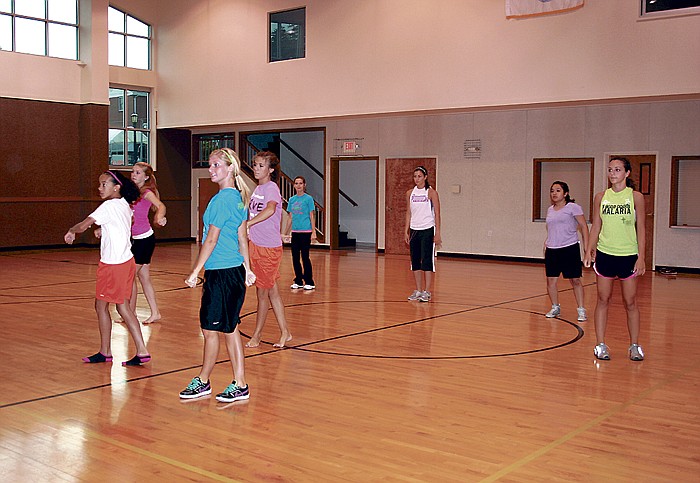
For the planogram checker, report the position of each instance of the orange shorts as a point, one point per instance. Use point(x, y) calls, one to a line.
point(265, 264)
point(114, 282)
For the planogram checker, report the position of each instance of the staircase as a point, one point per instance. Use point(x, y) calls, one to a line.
point(272, 143)
point(344, 241)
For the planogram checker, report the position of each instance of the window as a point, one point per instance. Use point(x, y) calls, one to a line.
point(288, 35)
point(129, 40)
point(204, 144)
point(129, 127)
point(575, 172)
point(685, 196)
point(669, 8)
point(40, 27)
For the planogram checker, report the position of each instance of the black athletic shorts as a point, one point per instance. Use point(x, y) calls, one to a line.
point(421, 244)
point(613, 266)
point(143, 248)
point(566, 260)
point(223, 293)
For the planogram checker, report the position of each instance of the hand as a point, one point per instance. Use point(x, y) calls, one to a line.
point(407, 238)
point(161, 221)
point(286, 238)
point(69, 237)
point(640, 267)
point(588, 259)
point(98, 232)
point(249, 278)
point(191, 281)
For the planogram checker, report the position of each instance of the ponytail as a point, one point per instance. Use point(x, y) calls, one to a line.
point(242, 187)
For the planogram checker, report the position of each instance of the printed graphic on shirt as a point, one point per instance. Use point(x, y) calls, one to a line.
point(419, 198)
point(257, 204)
point(624, 210)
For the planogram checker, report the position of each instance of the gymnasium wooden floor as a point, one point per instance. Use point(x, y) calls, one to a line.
point(475, 386)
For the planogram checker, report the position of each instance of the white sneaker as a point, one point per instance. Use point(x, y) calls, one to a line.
point(425, 296)
point(296, 285)
point(636, 352)
point(415, 295)
point(602, 352)
point(581, 314)
point(309, 287)
point(556, 310)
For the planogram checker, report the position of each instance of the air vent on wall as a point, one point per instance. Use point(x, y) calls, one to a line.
point(472, 148)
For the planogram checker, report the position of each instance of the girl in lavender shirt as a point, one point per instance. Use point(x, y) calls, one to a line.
point(265, 245)
point(562, 254)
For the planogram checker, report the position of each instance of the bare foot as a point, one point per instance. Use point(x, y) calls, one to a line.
point(152, 318)
point(118, 321)
point(253, 342)
point(283, 340)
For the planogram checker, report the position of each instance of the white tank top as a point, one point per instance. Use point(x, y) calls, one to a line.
point(422, 215)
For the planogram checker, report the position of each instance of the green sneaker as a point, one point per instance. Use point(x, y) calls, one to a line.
point(233, 393)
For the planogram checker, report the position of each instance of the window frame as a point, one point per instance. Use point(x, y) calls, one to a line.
point(673, 12)
point(126, 36)
point(47, 22)
point(675, 178)
point(200, 155)
point(537, 215)
point(302, 34)
point(127, 114)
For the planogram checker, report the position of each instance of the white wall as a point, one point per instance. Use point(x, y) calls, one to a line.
point(417, 78)
point(357, 179)
point(379, 56)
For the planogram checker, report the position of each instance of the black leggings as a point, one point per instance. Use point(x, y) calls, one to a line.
point(301, 241)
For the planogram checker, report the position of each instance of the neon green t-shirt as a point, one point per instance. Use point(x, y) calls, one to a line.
point(618, 233)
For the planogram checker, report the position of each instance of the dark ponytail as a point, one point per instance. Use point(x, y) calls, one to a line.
point(127, 188)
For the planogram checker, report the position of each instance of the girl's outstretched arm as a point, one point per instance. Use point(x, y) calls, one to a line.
point(159, 218)
point(69, 237)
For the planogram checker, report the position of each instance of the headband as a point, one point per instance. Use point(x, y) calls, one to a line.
point(422, 170)
point(115, 178)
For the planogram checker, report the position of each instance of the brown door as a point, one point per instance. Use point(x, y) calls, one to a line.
point(643, 169)
point(399, 179)
point(206, 190)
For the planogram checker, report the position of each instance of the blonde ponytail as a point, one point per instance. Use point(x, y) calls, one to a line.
point(240, 185)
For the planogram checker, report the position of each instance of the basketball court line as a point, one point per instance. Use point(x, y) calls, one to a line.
point(590, 424)
point(275, 350)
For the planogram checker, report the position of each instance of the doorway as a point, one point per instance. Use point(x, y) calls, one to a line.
point(644, 177)
point(353, 202)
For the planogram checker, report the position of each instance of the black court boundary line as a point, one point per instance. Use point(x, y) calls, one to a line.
point(276, 350)
point(302, 347)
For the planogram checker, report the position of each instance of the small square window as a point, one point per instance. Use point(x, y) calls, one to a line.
point(669, 8)
point(577, 173)
point(685, 196)
point(288, 35)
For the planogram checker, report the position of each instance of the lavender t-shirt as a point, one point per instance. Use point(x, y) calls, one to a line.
point(266, 233)
point(562, 227)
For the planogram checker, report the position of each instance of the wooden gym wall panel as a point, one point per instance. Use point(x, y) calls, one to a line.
point(51, 154)
point(174, 170)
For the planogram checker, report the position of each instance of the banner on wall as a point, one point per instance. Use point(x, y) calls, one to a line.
point(529, 8)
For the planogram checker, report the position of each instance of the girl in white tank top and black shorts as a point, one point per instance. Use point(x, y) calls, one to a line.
point(422, 232)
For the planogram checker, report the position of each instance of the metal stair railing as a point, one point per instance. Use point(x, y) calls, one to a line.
point(286, 185)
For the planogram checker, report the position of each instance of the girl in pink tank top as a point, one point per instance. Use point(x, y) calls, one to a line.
point(143, 237)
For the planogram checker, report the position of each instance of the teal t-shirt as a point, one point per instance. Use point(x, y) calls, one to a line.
point(225, 211)
point(300, 207)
